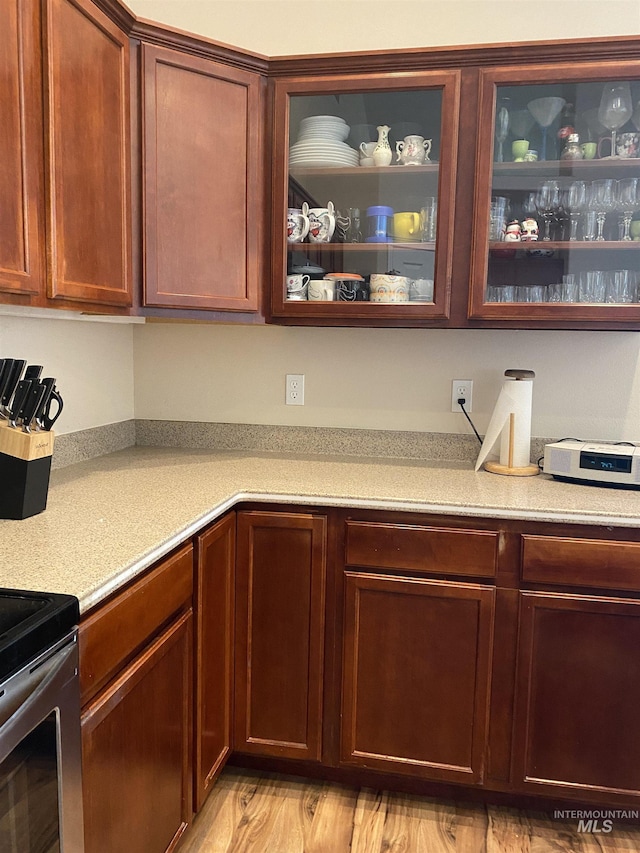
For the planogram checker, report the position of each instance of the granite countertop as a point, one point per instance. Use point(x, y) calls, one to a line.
point(109, 518)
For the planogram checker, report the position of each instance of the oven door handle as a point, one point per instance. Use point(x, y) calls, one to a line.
point(31, 695)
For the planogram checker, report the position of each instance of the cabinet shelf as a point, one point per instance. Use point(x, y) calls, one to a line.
point(500, 248)
point(583, 168)
point(364, 247)
point(362, 171)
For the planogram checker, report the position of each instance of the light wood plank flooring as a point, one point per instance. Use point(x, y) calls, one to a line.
point(249, 812)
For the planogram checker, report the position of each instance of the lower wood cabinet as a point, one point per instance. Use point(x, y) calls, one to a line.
point(578, 696)
point(214, 602)
point(416, 675)
point(280, 594)
point(137, 729)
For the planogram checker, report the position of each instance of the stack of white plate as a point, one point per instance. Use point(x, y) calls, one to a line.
point(321, 143)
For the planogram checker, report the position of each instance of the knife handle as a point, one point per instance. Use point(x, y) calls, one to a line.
point(30, 407)
point(12, 381)
point(5, 370)
point(48, 383)
point(19, 399)
point(47, 420)
point(33, 371)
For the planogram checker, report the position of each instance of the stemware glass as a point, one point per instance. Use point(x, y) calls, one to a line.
point(627, 202)
point(548, 204)
point(545, 111)
point(603, 201)
point(574, 202)
point(615, 109)
point(521, 123)
point(502, 127)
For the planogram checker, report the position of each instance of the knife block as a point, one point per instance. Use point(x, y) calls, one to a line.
point(25, 466)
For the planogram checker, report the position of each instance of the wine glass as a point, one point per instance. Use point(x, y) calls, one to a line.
point(615, 109)
point(574, 202)
point(627, 202)
point(545, 111)
point(548, 203)
point(521, 123)
point(602, 200)
point(502, 127)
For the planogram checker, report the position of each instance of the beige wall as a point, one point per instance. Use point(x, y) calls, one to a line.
point(92, 362)
point(587, 383)
point(275, 27)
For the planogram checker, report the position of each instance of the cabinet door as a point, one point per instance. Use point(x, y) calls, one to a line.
point(578, 694)
point(555, 239)
point(21, 211)
point(88, 154)
point(214, 652)
point(136, 742)
point(416, 674)
point(202, 182)
point(280, 594)
point(363, 193)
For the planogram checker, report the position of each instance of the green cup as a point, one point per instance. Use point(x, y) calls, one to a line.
point(634, 229)
point(519, 148)
point(589, 150)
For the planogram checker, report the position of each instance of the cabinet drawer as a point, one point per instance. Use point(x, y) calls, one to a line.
point(422, 549)
point(110, 636)
point(581, 562)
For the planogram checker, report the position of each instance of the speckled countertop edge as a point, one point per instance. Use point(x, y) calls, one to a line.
point(110, 518)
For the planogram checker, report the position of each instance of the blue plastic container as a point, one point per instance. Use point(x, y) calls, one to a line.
point(379, 222)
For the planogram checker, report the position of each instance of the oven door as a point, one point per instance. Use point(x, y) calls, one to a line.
point(40, 755)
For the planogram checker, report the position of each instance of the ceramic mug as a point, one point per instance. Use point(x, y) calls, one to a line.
point(297, 287)
point(348, 287)
point(406, 227)
point(628, 145)
point(322, 223)
point(366, 149)
point(321, 290)
point(589, 150)
point(297, 224)
point(389, 288)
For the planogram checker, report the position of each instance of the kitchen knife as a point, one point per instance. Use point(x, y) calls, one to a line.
point(33, 371)
point(46, 420)
point(49, 385)
point(31, 404)
point(5, 370)
point(11, 382)
point(19, 399)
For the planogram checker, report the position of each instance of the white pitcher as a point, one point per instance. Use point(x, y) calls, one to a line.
point(382, 155)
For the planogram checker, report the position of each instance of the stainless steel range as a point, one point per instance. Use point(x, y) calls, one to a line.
point(40, 747)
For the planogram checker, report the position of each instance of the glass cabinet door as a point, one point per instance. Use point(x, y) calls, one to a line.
point(557, 214)
point(363, 197)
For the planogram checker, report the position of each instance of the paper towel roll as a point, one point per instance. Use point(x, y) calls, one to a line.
point(514, 433)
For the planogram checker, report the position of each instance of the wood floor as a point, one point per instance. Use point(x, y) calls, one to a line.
point(249, 812)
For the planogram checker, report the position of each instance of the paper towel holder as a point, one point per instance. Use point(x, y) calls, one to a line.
point(509, 469)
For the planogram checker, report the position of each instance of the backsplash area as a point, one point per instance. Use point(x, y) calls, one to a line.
point(391, 444)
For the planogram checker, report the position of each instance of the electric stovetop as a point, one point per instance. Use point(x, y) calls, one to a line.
point(31, 622)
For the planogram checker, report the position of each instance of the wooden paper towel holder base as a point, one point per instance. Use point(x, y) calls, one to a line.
point(526, 471)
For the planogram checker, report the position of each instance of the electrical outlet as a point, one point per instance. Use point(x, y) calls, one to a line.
point(294, 394)
point(462, 388)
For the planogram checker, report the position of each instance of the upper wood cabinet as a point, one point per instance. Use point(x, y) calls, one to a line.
point(65, 156)
point(386, 219)
point(22, 252)
point(202, 182)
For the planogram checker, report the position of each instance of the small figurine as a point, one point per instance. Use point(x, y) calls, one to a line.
point(529, 231)
point(513, 231)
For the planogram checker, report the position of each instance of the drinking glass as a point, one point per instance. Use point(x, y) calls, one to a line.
point(429, 220)
point(545, 111)
point(521, 123)
point(602, 201)
point(574, 202)
point(591, 286)
point(502, 127)
point(615, 109)
point(620, 287)
point(570, 288)
point(548, 204)
point(627, 202)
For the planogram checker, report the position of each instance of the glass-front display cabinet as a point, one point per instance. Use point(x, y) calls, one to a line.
point(557, 202)
point(363, 191)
